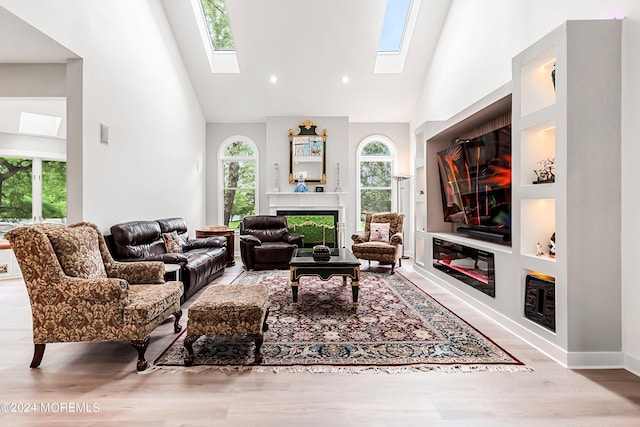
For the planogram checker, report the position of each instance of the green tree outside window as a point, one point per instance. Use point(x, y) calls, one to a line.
point(239, 193)
point(217, 21)
point(16, 190)
point(376, 165)
point(54, 189)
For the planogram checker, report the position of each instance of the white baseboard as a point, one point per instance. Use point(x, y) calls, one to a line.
point(571, 360)
point(531, 338)
point(632, 364)
point(596, 360)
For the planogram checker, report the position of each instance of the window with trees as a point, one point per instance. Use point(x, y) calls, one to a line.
point(239, 180)
point(376, 164)
point(217, 20)
point(32, 190)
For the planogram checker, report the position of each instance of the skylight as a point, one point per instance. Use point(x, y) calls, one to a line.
point(393, 28)
point(397, 29)
point(217, 20)
point(39, 124)
point(215, 31)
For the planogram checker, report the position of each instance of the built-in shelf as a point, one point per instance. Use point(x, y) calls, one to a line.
point(538, 224)
point(537, 145)
point(577, 123)
point(536, 82)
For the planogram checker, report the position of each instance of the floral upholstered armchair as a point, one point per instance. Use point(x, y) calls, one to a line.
point(381, 240)
point(79, 293)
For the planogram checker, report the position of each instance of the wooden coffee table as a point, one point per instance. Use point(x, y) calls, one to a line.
point(342, 263)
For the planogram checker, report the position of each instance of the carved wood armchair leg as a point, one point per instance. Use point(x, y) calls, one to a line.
point(141, 347)
point(177, 327)
point(393, 266)
point(188, 345)
point(38, 352)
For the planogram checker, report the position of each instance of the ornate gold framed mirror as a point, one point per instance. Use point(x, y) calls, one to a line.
point(307, 154)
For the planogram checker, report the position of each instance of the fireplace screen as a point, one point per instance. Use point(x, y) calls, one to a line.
point(318, 227)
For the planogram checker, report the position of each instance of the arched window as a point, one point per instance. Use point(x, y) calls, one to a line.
point(375, 168)
point(238, 180)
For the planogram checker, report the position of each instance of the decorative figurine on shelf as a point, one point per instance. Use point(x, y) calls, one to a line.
point(552, 245)
point(546, 174)
point(553, 76)
point(301, 187)
point(539, 251)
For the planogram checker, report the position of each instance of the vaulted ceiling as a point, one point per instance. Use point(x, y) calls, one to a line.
point(308, 44)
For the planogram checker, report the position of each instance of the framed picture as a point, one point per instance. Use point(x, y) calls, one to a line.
point(319, 189)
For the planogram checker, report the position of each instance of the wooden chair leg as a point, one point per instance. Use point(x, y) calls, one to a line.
point(265, 326)
point(393, 266)
point(188, 345)
point(38, 352)
point(177, 327)
point(141, 347)
point(258, 339)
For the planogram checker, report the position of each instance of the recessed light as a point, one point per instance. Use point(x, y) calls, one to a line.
point(273, 79)
point(345, 79)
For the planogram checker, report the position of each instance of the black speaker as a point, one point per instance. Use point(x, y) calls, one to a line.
point(540, 300)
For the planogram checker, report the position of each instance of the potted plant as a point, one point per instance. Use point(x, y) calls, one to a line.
point(546, 173)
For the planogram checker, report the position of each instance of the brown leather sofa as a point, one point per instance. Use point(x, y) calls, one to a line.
point(265, 242)
point(201, 260)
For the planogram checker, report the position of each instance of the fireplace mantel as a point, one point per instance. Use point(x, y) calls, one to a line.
point(308, 201)
point(311, 201)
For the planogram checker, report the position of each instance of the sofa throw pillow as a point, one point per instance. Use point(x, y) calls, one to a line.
point(172, 242)
point(78, 251)
point(379, 232)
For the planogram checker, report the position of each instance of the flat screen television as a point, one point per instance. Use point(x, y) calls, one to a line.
point(475, 179)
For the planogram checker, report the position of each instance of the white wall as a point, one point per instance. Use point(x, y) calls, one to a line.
point(470, 64)
point(135, 82)
point(272, 139)
point(479, 39)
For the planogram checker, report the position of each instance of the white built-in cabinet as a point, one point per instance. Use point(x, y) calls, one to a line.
point(8, 264)
point(577, 123)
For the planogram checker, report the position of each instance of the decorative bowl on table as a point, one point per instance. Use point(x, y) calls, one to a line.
point(321, 253)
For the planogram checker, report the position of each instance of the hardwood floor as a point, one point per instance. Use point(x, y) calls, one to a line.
point(102, 377)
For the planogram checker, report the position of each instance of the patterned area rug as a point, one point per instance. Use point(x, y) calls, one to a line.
point(396, 328)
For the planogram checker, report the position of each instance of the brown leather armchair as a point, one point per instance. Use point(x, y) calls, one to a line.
point(265, 242)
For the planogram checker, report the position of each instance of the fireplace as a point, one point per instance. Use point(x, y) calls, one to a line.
point(319, 227)
point(309, 203)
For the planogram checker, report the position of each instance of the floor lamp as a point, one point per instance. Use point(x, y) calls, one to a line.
point(400, 179)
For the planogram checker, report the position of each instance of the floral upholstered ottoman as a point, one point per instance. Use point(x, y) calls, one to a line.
point(228, 310)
